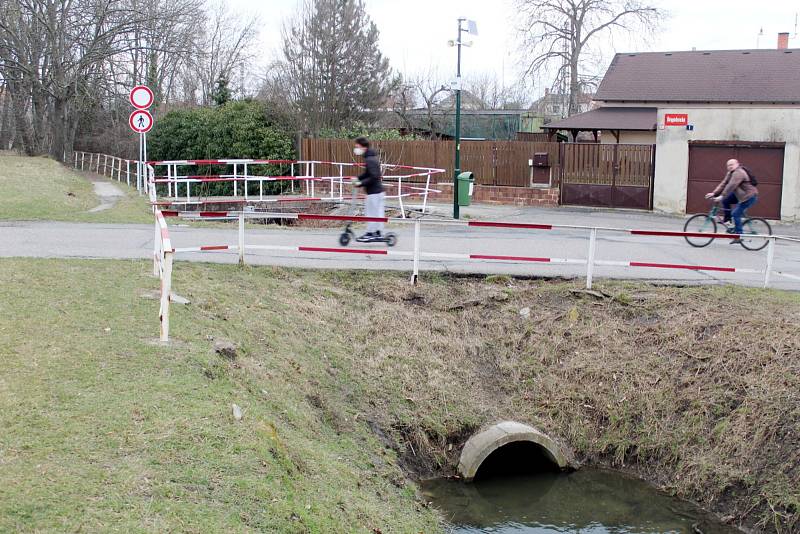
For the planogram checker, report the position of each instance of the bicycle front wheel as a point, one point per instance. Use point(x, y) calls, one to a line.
point(752, 228)
point(700, 224)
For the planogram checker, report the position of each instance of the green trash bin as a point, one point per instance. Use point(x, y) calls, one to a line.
point(466, 183)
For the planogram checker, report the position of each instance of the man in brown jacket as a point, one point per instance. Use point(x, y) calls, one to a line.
point(736, 181)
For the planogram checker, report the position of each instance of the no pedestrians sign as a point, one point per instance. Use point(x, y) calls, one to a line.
point(140, 121)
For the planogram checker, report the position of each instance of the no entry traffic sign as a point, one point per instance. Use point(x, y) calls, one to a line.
point(141, 97)
point(140, 121)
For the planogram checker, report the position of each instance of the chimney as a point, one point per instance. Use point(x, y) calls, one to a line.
point(547, 89)
point(783, 41)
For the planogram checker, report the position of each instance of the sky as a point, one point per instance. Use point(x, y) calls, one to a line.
point(414, 33)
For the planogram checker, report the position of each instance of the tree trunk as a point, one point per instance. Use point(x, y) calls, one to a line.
point(6, 122)
point(24, 139)
point(58, 129)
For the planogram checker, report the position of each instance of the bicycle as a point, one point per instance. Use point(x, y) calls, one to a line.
point(706, 223)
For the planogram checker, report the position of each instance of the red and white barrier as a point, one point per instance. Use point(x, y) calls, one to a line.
point(162, 267)
point(164, 249)
point(589, 261)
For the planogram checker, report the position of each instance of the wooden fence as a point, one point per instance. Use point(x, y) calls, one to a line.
point(492, 162)
point(592, 164)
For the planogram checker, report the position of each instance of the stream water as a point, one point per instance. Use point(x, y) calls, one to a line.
point(585, 501)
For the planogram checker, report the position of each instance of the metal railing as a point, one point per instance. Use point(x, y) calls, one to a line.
point(119, 169)
point(184, 188)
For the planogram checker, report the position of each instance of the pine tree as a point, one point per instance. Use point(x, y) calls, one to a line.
point(221, 93)
point(333, 73)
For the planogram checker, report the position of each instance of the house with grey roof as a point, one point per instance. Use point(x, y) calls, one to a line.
point(699, 109)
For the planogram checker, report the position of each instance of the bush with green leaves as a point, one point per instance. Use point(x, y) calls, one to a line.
point(235, 130)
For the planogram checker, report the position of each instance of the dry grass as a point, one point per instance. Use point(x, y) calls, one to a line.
point(695, 389)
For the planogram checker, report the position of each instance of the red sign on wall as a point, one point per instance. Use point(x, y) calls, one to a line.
point(676, 119)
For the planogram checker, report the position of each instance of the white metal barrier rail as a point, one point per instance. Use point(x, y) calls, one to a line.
point(164, 251)
point(111, 166)
point(302, 173)
point(589, 261)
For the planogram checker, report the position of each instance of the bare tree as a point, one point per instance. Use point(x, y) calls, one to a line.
point(332, 72)
point(161, 47)
point(563, 34)
point(49, 49)
point(417, 100)
point(225, 49)
point(62, 61)
point(493, 93)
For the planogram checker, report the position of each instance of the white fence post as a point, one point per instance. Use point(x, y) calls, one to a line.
point(425, 193)
point(76, 160)
point(128, 171)
point(157, 254)
point(590, 261)
point(245, 181)
point(170, 176)
point(97, 169)
point(415, 274)
point(241, 237)
point(400, 196)
point(166, 290)
point(341, 182)
point(770, 257)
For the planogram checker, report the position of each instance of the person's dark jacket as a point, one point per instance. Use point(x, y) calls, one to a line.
point(370, 179)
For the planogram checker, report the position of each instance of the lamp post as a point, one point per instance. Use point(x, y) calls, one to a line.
point(473, 29)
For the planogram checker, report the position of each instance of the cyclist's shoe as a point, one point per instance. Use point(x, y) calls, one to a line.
point(730, 230)
point(736, 241)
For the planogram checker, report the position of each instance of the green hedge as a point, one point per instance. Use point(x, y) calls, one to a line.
point(233, 130)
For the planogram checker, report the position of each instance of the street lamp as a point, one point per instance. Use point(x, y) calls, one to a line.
point(471, 28)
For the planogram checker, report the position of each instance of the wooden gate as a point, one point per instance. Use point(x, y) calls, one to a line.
point(609, 176)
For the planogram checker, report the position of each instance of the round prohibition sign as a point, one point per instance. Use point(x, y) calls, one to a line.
point(140, 121)
point(141, 97)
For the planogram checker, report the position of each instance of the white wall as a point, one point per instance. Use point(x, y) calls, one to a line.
point(718, 123)
point(628, 137)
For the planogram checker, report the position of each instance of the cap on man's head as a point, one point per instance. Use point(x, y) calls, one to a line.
point(362, 141)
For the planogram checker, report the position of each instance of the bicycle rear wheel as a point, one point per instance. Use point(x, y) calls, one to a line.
point(700, 224)
point(752, 227)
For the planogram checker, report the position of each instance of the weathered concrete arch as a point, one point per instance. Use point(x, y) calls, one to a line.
point(484, 443)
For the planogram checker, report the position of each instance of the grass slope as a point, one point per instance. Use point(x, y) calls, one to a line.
point(42, 189)
point(349, 380)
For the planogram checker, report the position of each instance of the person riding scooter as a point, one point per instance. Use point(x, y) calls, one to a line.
point(372, 183)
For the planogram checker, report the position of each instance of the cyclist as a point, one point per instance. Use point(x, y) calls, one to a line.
point(736, 181)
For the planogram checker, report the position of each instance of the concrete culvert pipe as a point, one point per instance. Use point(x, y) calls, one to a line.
point(484, 443)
